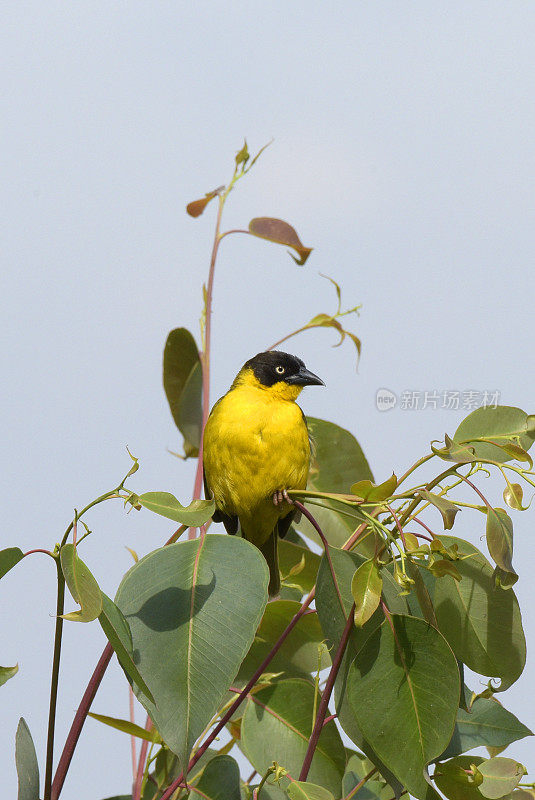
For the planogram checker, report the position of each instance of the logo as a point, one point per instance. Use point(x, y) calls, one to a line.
point(385, 400)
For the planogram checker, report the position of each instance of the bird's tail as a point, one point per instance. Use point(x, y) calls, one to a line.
point(270, 551)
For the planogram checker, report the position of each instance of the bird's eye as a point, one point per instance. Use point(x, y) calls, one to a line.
point(279, 369)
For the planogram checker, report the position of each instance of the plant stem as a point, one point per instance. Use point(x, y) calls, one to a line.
point(415, 466)
point(361, 783)
point(243, 694)
point(60, 607)
point(205, 355)
point(79, 719)
point(326, 696)
point(136, 790)
point(132, 737)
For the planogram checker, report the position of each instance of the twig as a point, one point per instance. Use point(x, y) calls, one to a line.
point(79, 719)
point(361, 783)
point(136, 791)
point(132, 737)
point(326, 696)
point(60, 603)
point(243, 694)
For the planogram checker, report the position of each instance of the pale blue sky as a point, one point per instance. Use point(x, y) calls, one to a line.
point(404, 154)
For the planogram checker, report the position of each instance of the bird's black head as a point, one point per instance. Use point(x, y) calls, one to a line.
point(274, 367)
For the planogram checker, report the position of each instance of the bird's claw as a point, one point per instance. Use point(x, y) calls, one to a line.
point(280, 495)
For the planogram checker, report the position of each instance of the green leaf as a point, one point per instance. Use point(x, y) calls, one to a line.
point(242, 156)
point(7, 672)
point(298, 655)
point(333, 603)
point(8, 558)
point(503, 424)
point(453, 780)
point(446, 507)
point(372, 493)
point(297, 557)
point(219, 781)
point(276, 726)
point(366, 588)
point(82, 585)
point(481, 622)
point(487, 724)
point(303, 790)
point(117, 632)
point(513, 495)
point(500, 541)
point(392, 687)
point(278, 231)
point(193, 618)
point(166, 505)
point(182, 381)
point(500, 776)
point(126, 726)
point(338, 461)
point(26, 763)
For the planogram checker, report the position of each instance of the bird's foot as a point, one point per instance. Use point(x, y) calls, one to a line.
point(280, 496)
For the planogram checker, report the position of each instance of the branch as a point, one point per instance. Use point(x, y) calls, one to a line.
point(241, 697)
point(326, 696)
point(79, 719)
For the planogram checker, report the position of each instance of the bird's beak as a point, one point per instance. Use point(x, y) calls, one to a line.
point(305, 378)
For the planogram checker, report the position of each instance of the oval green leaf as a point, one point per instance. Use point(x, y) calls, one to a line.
point(298, 564)
point(504, 424)
point(513, 495)
point(445, 506)
point(82, 585)
point(26, 763)
point(276, 726)
point(303, 790)
point(366, 588)
point(182, 381)
point(166, 505)
point(372, 493)
point(487, 724)
point(193, 617)
point(500, 776)
point(481, 622)
point(393, 688)
point(7, 672)
point(8, 558)
point(333, 603)
point(500, 541)
point(220, 780)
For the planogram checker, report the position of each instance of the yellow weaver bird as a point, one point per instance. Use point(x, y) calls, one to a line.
point(256, 447)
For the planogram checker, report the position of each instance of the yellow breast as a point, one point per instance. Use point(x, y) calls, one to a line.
point(255, 443)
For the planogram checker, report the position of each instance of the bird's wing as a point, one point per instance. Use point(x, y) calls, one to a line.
point(229, 521)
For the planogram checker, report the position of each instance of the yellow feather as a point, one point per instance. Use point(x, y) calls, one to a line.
point(255, 443)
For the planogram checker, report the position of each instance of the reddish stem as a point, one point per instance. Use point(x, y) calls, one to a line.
point(419, 521)
point(205, 357)
point(136, 791)
point(241, 697)
point(79, 719)
point(326, 696)
point(398, 525)
point(38, 550)
point(132, 737)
